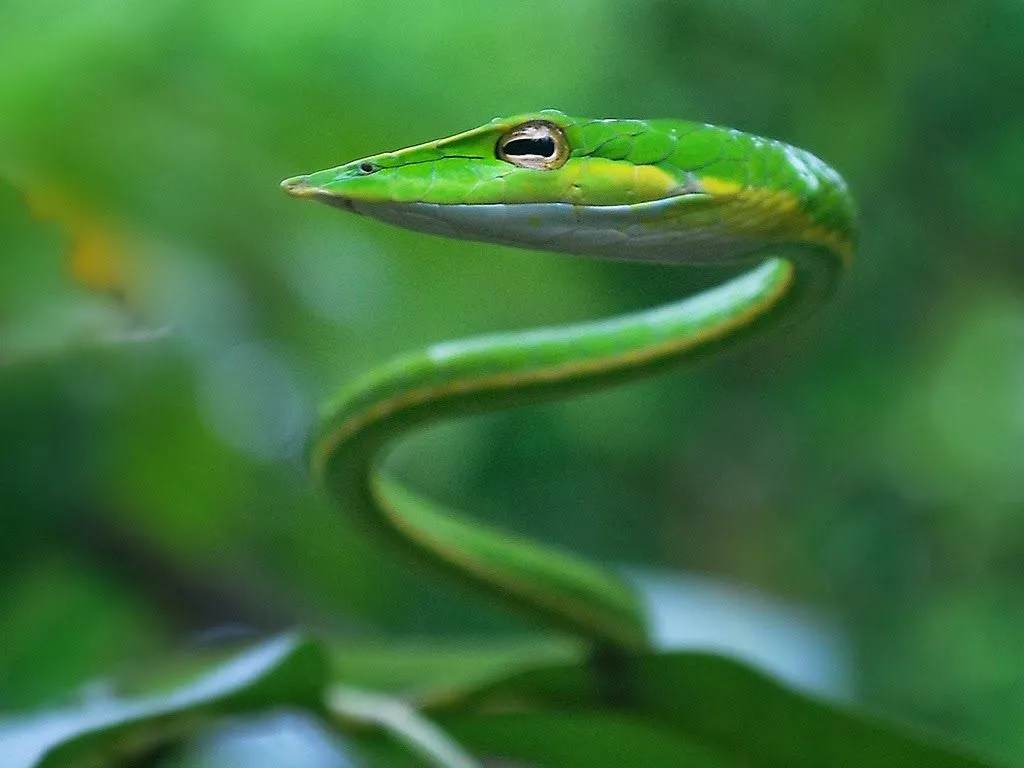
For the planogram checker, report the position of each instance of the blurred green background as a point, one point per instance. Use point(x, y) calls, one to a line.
point(869, 464)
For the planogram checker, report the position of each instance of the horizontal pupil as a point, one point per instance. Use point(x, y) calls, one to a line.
point(543, 147)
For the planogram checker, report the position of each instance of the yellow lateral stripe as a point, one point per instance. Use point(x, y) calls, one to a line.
point(558, 604)
point(776, 213)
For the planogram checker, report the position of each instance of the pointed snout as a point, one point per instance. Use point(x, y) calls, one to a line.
point(299, 186)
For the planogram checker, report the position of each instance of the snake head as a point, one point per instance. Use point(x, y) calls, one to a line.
point(641, 189)
point(540, 157)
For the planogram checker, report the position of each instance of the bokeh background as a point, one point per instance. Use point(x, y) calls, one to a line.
point(169, 322)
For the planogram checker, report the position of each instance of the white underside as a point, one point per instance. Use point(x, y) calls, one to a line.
point(654, 231)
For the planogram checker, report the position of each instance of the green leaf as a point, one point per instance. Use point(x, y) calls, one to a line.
point(287, 671)
point(415, 667)
point(552, 739)
point(722, 706)
point(579, 740)
point(280, 739)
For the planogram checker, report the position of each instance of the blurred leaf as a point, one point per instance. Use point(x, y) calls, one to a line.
point(65, 277)
point(551, 739)
point(416, 668)
point(98, 259)
point(402, 723)
point(279, 740)
point(719, 705)
point(673, 709)
point(62, 623)
point(285, 671)
point(559, 739)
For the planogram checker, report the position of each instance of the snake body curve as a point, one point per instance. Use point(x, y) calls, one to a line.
point(666, 191)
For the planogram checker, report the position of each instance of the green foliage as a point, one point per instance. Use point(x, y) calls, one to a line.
point(287, 672)
point(549, 715)
point(152, 416)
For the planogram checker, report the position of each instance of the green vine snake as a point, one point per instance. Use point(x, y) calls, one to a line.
point(665, 191)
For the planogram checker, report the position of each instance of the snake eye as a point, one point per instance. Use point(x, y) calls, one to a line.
point(367, 167)
point(537, 144)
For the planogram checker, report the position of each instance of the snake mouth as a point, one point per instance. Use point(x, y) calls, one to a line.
point(299, 186)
